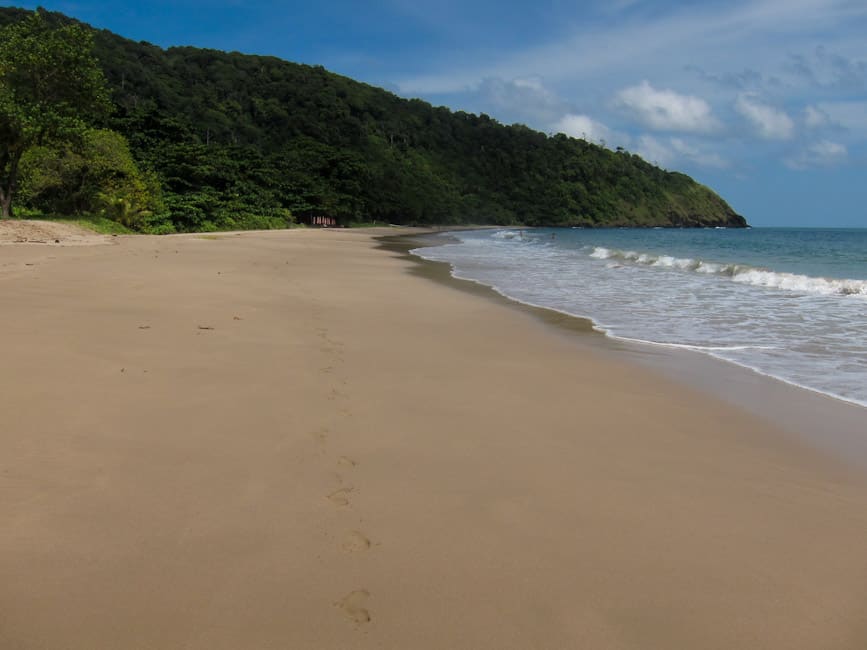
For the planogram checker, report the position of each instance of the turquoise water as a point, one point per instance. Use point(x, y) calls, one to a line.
point(789, 303)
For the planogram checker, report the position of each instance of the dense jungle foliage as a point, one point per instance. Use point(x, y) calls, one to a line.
point(202, 140)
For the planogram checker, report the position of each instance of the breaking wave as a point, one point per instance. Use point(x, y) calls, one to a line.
point(742, 273)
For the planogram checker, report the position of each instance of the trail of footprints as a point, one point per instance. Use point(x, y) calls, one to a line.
point(340, 497)
point(355, 606)
point(355, 542)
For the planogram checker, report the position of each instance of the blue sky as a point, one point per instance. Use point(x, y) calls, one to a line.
point(765, 101)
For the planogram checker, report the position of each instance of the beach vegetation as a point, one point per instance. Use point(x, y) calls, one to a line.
point(51, 87)
point(95, 174)
point(99, 224)
point(232, 141)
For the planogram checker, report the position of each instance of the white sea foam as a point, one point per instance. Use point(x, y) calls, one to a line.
point(744, 274)
point(794, 282)
point(808, 331)
point(506, 234)
point(700, 348)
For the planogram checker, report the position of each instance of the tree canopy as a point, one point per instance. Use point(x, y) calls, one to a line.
point(249, 141)
point(51, 86)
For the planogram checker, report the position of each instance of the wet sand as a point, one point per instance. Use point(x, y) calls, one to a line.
point(290, 440)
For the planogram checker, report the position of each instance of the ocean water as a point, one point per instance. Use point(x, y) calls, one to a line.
point(788, 303)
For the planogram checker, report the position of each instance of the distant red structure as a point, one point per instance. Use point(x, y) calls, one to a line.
point(322, 222)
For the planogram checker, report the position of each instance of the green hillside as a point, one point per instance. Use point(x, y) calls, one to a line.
point(241, 141)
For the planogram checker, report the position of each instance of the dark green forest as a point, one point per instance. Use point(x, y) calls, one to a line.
point(204, 140)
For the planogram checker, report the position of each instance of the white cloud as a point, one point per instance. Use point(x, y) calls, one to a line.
point(669, 151)
point(523, 98)
point(815, 117)
point(820, 154)
point(850, 115)
point(696, 156)
point(831, 70)
point(666, 110)
point(829, 150)
point(531, 83)
point(769, 122)
point(584, 126)
point(739, 32)
point(713, 72)
point(654, 151)
point(743, 80)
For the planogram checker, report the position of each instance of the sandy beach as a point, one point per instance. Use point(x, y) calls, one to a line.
point(288, 440)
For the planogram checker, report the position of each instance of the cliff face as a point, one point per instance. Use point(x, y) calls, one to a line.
point(229, 133)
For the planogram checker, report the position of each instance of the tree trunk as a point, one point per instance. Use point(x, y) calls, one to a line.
point(8, 185)
point(5, 204)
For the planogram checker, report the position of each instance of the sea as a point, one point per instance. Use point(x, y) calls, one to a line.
point(790, 303)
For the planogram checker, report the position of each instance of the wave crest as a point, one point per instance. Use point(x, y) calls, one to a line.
point(508, 234)
point(742, 273)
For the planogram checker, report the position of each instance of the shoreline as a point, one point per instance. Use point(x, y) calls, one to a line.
point(827, 422)
point(290, 439)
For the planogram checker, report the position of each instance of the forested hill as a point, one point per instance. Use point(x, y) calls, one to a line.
point(229, 135)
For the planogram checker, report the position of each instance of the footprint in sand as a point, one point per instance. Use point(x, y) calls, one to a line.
point(354, 605)
point(340, 497)
point(346, 461)
point(356, 542)
point(335, 395)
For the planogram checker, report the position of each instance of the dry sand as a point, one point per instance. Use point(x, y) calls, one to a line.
point(13, 231)
point(284, 440)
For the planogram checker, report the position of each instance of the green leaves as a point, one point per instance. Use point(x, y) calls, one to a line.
point(239, 141)
point(95, 175)
point(50, 88)
point(49, 75)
